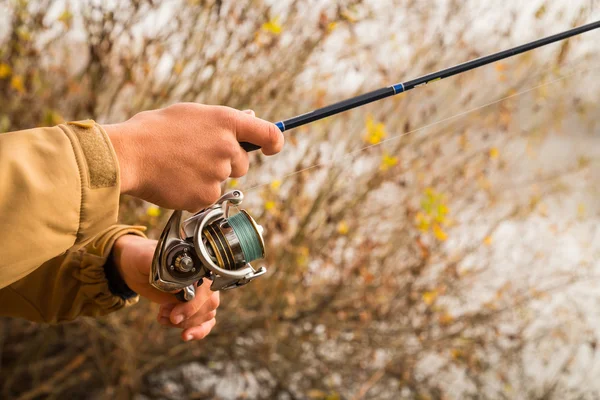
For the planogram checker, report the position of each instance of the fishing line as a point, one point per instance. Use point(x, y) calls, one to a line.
point(400, 135)
point(219, 246)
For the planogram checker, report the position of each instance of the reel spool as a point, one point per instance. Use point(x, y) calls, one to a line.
point(211, 244)
point(235, 241)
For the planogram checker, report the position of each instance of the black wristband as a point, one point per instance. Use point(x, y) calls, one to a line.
point(116, 284)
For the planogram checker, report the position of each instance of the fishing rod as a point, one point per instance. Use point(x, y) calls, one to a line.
point(398, 88)
point(218, 245)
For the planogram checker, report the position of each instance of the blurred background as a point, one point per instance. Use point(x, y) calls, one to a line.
point(441, 244)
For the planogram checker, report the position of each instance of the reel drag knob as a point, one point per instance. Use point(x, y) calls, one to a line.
point(184, 263)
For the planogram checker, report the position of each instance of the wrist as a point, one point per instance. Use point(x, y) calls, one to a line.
point(125, 157)
point(115, 275)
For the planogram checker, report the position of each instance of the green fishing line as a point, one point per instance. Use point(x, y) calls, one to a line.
point(249, 240)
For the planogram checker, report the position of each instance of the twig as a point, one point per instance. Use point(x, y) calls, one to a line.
point(48, 385)
point(369, 384)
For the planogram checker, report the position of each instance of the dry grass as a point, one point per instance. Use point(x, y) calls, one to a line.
point(359, 243)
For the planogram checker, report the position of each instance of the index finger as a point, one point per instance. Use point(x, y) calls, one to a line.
point(259, 132)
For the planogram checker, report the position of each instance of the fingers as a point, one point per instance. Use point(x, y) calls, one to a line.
point(259, 132)
point(198, 332)
point(196, 320)
point(240, 162)
point(209, 306)
point(183, 311)
point(198, 325)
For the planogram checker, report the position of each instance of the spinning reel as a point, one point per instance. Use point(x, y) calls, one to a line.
point(211, 244)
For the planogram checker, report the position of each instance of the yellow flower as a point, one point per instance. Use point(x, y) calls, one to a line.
point(456, 354)
point(442, 211)
point(500, 67)
point(331, 26)
point(52, 118)
point(269, 205)
point(178, 67)
point(429, 297)
point(446, 319)
point(581, 211)
point(272, 26)
point(17, 83)
point(494, 153)
point(375, 131)
point(348, 16)
point(153, 211)
point(439, 233)
point(24, 33)
point(333, 396)
point(5, 70)
point(488, 240)
point(387, 162)
point(275, 185)
point(66, 18)
point(302, 256)
point(433, 214)
point(422, 222)
point(343, 228)
point(232, 183)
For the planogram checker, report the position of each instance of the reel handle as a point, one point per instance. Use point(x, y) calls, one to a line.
point(186, 294)
point(180, 296)
point(249, 146)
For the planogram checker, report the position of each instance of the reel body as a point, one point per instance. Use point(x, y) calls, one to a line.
point(211, 244)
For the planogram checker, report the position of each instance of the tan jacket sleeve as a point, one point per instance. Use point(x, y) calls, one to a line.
point(59, 188)
point(71, 285)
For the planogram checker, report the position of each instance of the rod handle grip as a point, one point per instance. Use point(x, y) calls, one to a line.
point(249, 146)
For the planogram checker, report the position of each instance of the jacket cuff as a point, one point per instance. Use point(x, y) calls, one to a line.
point(102, 247)
point(69, 286)
point(99, 175)
point(116, 284)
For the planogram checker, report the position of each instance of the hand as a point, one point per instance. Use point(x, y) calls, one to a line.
point(133, 258)
point(177, 157)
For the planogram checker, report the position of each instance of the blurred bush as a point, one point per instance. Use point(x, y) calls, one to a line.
point(380, 223)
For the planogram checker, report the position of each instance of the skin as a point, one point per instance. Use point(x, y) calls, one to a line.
point(177, 158)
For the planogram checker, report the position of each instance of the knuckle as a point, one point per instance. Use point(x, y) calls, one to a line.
point(214, 302)
point(224, 172)
point(189, 311)
point(242, 169)
point(211, 315)
point(193, 309)
point(229, 146)
point(228, 117)
point(185, 107)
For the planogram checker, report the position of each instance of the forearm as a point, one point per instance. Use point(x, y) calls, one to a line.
point(59, 187)
point(71, 285)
